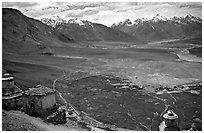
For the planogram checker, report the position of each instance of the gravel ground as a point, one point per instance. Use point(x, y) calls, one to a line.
point(11, 122)
point(18, 121)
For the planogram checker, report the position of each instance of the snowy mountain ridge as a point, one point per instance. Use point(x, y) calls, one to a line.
point(157, 18)
point(56, 20)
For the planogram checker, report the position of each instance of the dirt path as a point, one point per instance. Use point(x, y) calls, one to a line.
point(54, 81)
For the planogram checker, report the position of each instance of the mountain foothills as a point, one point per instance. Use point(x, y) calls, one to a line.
point(160, 27)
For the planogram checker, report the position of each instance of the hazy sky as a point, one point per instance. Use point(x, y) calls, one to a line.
point(106, 13)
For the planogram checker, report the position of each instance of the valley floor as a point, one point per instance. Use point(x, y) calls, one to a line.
point(123, 86)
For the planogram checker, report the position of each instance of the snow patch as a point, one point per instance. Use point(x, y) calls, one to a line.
point(153, 27)
point(76, 21)
point(159, 18)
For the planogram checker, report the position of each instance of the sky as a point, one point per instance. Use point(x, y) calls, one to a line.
point(106, 13)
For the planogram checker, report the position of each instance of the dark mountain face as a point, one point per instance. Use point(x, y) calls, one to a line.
point(160, 27)
point(87, 31)
point(21, 34)
point(94, 32)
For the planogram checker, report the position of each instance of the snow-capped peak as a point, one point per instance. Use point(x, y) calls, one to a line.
point(113, 25)
point(138, 21)
point(128, 22)
point(53, 20)
point(158, 18)
point(76, 21)
point(188, 19)
point(192, 19)
point(56, 20)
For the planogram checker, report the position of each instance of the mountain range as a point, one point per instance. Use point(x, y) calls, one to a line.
point(160, 27)
point(21, 34)
point(142, 29)
point(86, 30)
point(24, 35)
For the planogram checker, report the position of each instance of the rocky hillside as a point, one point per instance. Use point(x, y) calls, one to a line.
point(86, 30)
point(160, 27)
point(19, 121)
point(21, 34)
